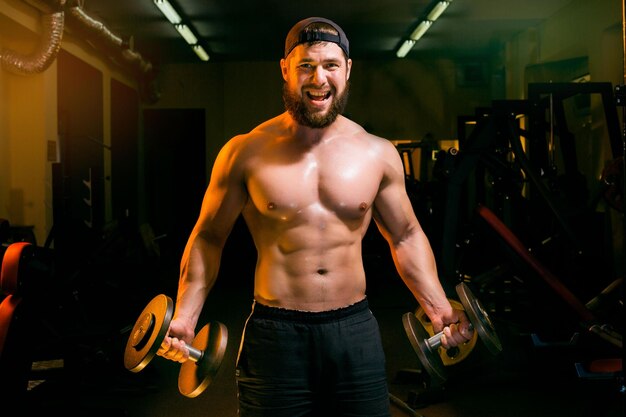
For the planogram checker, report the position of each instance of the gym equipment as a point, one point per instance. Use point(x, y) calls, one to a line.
point(205, 353)
point(16, 323)
point(426, 347)
point(587, 316)
point(10, 288)
point(403, 406)
point(455, 354)
point(499, 148)
point(512, 240)
point(613, 180)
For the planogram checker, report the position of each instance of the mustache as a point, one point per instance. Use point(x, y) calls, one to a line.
point(296, 107)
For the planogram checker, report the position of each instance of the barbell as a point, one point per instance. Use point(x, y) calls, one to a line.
point(205, 353)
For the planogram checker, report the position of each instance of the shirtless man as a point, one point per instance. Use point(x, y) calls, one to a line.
point(307, 183)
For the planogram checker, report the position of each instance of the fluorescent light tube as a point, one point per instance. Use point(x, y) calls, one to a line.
point(437, 10)
point(405, 48)
point(199, 50)
point(420, 30)
point(187, 34)
point(168, 11)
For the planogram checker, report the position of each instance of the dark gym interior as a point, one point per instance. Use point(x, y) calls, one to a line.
point(510, 121)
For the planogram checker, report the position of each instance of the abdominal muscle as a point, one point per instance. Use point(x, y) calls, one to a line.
point(307, 267)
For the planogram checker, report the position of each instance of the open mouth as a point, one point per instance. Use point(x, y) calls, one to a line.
point(318, 96)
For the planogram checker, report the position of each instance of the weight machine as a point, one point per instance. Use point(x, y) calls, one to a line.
point(506, 177)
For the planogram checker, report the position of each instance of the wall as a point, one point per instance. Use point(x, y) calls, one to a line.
point(581, 31)
point(28, 120)
point(235, 96)
point(27, 125)
point(590, 32)
point(401, 99)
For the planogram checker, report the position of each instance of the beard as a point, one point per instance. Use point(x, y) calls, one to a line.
point(297, 108)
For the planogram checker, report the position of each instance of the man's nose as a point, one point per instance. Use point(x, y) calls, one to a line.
point(319, 75)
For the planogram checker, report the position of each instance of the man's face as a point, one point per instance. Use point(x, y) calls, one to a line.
point(316, 83)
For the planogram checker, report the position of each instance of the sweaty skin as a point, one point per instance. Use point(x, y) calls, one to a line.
point(307, 196)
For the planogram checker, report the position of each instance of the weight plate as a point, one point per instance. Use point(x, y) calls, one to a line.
point(453, 355)
point(479, 318)
point(429, 358)
point(195, 376)
point(148, 333)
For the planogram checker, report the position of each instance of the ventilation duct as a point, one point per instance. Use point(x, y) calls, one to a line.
point(57, 13)
point(52, 32)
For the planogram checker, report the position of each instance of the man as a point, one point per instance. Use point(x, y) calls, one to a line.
point(307, 183)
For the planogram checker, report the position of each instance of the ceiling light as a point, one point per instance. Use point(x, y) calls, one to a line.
point(168, 11)
point(202, 54)
point(437, 10)
point(405, 48)
point(424, 24)
point(420, 30)
point(187, 34)
point(185, 31)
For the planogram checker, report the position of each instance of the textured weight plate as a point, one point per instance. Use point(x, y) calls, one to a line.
point(148, 333)
point(429, 358)
point(479, 318)
point(195, 376)
point(453, 355)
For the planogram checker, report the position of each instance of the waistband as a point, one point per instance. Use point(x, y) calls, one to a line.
point(263, 311)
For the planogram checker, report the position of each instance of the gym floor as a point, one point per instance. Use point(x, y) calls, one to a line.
point(522, 380)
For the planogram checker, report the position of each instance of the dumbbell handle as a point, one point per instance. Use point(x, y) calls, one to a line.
point(434, 341)
point(194, 354)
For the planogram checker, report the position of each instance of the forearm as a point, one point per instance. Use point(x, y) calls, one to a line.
point(416, 265)
point(198, 271)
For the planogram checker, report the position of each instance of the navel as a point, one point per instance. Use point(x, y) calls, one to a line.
point(322, 271)
point(271, 205)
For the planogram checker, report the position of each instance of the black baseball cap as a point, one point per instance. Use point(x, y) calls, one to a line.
point(298, 34)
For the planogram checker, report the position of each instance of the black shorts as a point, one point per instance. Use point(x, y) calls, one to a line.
point(295, 364)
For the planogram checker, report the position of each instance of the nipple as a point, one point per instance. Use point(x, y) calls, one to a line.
point(363, 206)
point(271, 206)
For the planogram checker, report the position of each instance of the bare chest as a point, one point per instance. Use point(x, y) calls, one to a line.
point(343, 187)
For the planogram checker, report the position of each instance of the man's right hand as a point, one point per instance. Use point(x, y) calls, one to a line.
point(174, 345)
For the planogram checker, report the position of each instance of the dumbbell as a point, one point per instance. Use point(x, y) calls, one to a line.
point(453, 355)
point(205, 353)
point(426, 347)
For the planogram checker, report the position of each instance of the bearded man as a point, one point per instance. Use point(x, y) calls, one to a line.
point(308, 182)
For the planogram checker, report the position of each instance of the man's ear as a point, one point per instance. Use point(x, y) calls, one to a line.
point(283, 68)
point(349, 64)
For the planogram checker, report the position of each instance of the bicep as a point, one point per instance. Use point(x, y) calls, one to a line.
point(393, 211)
point(223, 199)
